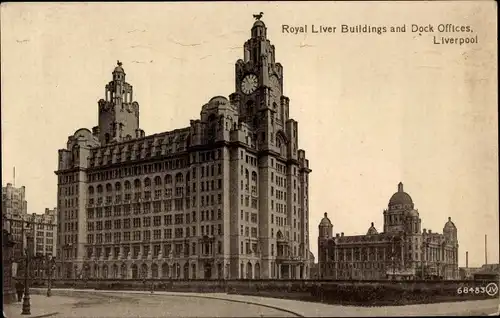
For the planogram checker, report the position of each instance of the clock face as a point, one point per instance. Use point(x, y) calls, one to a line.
point(275, 86)
point(249, 84)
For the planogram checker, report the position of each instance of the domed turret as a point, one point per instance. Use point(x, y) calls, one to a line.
point(400, 199)
point(449, 226)
point(372, 230)
point(119, 72)
point(119, 68)
point(450, 230)
point(259, 23)
point(325, 227)
point(400, 215)
point(325, 221)
point(258, 28)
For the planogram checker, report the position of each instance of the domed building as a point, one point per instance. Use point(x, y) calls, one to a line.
point(401, 251)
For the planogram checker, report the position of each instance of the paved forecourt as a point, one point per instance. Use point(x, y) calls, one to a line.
point(91, 303)
point(98, 304)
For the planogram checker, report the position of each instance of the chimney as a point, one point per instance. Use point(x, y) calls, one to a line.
point(342, 234)
point(466, 259)
point(486, 249)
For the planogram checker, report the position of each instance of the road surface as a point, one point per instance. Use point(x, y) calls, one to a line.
point(90, 303)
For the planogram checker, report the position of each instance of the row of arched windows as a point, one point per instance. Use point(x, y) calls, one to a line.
point(137, 184)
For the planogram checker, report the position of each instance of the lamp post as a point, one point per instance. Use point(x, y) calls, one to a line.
point(51, 265)
point(26, 301)
point(36, 268)
point(7, 257)
point(438, 263)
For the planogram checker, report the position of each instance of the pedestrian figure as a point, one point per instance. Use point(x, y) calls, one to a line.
point(19, 290)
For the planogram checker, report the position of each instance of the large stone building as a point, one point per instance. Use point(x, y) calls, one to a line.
point(225, 197)
point(401, 251)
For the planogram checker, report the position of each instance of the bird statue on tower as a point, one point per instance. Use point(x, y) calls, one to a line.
point(258, 16)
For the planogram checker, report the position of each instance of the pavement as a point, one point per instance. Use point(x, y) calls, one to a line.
point(92, 303)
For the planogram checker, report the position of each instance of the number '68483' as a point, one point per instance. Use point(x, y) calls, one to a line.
point(471, 290)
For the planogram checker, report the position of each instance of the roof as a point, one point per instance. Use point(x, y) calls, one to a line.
point(372, 230)
point(325, 221)
point(449, 225)
point(258, 23)
point(119, 67)
point(400, 197)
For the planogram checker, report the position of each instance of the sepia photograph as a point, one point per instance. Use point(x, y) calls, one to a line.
point(250, 159)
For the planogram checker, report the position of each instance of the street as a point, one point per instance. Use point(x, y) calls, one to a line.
point(90, 303)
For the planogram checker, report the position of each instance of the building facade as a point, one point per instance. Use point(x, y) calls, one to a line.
point(225, 197)
point(15, 208)
point(401, 251)
point(45, 232)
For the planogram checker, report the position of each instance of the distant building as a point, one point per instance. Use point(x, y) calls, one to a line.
point(45, 232)
point(314, 274)
point(488, 272)
point(14, 200)
point(224, 197)
point(401, 251)
point(15, 208)
point(467, 272)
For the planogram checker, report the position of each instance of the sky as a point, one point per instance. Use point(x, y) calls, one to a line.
point(373, 110)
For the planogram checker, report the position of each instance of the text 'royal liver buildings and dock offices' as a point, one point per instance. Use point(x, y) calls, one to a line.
point(225, 197)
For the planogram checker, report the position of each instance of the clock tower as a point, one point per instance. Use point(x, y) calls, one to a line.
point(280, 170)
point(259, 84)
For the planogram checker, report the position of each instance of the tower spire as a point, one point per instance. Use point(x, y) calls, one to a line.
point(118, 112)
point(400, 187)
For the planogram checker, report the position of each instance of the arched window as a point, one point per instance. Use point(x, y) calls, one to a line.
point(279, 235)
point(91, 190)
point(154, 271)
point(249, 271)
point(127, 185)
point(109, 188)
point(147, 182)
point(157, 181)
point(118, 186)
point(168, 179)
point(99, 188)
point(165, 270)
point(281, 144)
point(137, 183)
